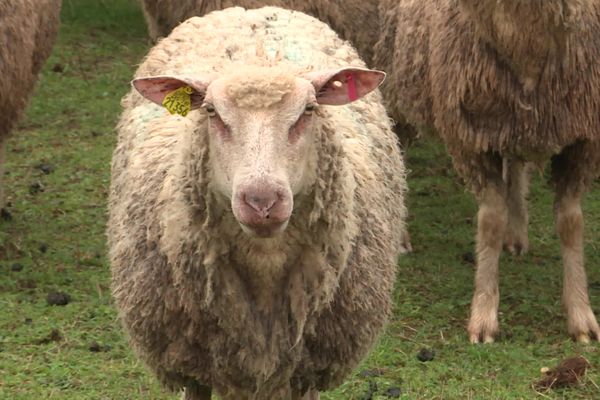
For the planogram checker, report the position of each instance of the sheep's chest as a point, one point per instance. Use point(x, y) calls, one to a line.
point(263, 265)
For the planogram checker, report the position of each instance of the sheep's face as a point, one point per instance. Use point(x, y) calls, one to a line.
point(262, 148)
point(261, 132)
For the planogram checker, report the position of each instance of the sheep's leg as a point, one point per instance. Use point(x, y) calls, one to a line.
point(572, 172)
point(311, 394)
point(195, 391)
point(491, 226)
point(569, 223)
point(515, 238)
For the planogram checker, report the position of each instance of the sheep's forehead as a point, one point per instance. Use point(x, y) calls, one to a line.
point(260, 88)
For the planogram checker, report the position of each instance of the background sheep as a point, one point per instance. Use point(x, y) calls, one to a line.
point(504, 83)
point(27, 32)
point(206, 302)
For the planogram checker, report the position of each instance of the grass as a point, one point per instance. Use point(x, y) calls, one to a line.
point(57, 235)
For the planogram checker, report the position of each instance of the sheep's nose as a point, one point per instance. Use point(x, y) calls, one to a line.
point(263, 210)
point(261, 202)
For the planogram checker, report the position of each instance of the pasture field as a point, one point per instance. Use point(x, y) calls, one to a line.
point(57, 181)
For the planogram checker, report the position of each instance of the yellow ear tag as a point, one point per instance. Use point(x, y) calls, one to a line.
point(179, 101)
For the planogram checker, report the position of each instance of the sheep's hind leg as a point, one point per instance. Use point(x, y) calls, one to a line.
point(195, 391)
point(569, 223)
point(491, 226)
point(570, 182)
point(515, 238)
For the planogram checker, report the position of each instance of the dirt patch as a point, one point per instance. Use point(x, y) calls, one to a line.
point(568, 372)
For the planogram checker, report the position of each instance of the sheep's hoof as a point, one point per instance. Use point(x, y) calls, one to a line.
point(515, 249)
point(483, 324)
point(582, 323)
point(481, 336)
point(516, 244)
point(474, 338)
point(583, 338)
point(482, 330)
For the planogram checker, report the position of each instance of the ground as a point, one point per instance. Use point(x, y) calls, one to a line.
point(57, 180)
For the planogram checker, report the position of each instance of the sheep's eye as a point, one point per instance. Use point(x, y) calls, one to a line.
point(308, 110)
point(210, 110)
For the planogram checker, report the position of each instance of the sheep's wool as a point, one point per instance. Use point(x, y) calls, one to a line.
point(252, 92)
point(526, 89)
point(201, 300)
point(27, 32)
point(354, 20)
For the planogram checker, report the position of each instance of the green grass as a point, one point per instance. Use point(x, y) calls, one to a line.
point(70, 126)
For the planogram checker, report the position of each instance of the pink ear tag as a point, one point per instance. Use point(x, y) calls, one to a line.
point(351, 82)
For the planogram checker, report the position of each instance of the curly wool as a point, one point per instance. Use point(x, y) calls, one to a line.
point(342, 15)
point(248, 93)
point(527, 88)
point(187, 280)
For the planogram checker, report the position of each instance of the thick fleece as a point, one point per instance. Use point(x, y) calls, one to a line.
point(353, 20)
point(358, 21)
point(504, 83)
point(27, 32)
point(509, 96)
point(204, 303)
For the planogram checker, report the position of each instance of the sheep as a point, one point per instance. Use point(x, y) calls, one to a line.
point(353, 20)
point(162, 16)
point(28, 29)
point(507, 85)
point(253, 242)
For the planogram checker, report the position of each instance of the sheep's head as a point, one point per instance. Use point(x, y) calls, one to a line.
point(260, 126)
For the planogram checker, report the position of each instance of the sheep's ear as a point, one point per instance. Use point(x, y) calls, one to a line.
point(156, 88)
point(343, 86)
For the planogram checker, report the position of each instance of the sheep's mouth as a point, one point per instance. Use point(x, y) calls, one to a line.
point(264, 230)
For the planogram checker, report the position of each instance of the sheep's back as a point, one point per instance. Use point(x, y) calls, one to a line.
point(354, 20)
point(448, 79)
point(220, 40)
point(480, 102)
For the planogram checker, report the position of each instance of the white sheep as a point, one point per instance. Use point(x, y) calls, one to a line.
point(253, 242)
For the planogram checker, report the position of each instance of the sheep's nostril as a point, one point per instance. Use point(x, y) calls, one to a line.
point(261, 204)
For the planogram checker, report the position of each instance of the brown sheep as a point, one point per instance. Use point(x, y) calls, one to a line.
point(505, 83)
point(27, 32)
point(253, 243)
